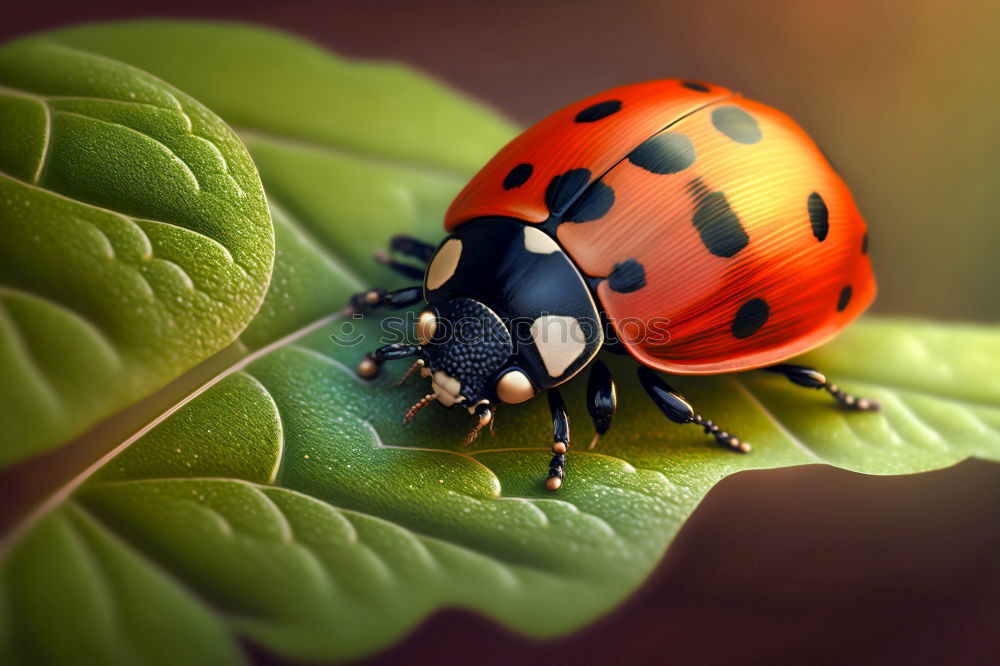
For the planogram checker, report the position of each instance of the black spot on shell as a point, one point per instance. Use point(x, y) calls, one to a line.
point(694, 85)
point(564, 188)
point(737, 124)
point(593, 204)
point(845, 298)
point(819, 216)
point(627, 276)
point(750, 317)
point(599, 111)
point(667, 152)
point(864, 244)
point(518, 176)
point(719, 227)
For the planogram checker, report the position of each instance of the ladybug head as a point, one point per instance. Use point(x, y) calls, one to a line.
point(466, 351)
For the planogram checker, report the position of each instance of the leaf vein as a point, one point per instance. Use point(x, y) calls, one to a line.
point(45, 146)
point(556, 571)
point(128, 219)
point(31, 364)
point(177, 158)
point(79, 317)
point(66, 489)
point(279, 458)
point(775, 422)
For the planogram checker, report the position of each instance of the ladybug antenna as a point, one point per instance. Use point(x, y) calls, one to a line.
point(418, 364)
point(423, 402)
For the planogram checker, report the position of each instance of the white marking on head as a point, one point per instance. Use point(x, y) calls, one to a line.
point(447, 389)
point(559, 340)
point(444, 263)
point(539, 242)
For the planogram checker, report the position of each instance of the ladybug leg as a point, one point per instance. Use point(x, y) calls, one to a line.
point(560, 440)
point(678, 410)
point(812, 378)
point(412, 272)
point(602, 399)
point(381, 298)
point(372, 364)
point(408, 246)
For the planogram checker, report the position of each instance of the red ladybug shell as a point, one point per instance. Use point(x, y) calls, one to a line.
point(726, 239)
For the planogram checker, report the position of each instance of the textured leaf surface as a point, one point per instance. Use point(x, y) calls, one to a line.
point(135, 239)
point(286, 504)
point(351, 153)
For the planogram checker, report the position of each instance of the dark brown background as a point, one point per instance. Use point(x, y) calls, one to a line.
point(805, 565)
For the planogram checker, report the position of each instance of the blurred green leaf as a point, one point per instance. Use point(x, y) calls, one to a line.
point(287, 505)
point(135, 240)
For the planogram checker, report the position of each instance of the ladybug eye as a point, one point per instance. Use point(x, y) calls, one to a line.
point(426, 327)
point(514, 387)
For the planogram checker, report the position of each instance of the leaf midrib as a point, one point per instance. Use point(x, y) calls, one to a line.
point(63, 492)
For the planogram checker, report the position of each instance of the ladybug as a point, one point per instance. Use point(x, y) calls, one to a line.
point(675, 221)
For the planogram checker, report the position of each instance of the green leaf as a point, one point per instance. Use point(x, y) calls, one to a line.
point(135, 240)
point(351, 153)
point(286, 505)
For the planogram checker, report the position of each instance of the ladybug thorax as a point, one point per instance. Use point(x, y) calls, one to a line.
point(504, 298)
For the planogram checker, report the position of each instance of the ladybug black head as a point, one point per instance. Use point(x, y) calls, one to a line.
point(465, 345)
